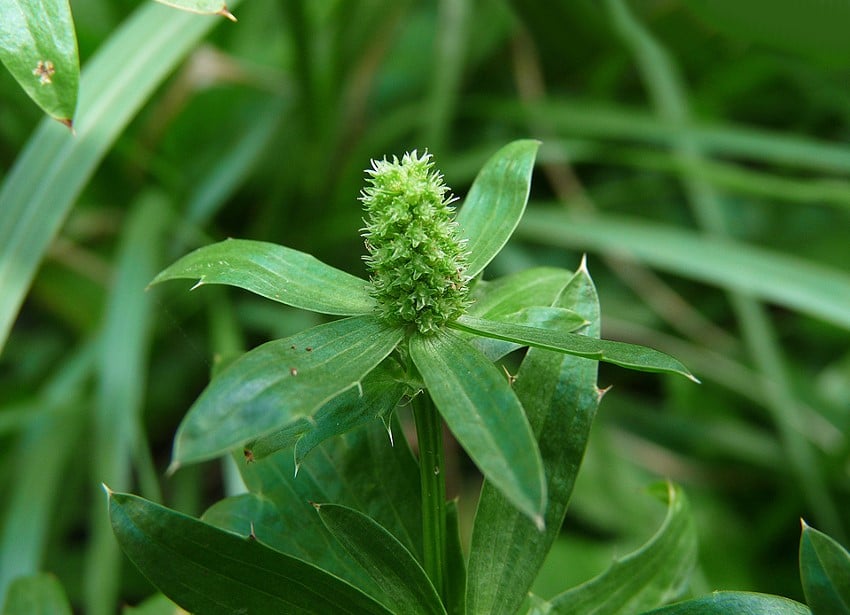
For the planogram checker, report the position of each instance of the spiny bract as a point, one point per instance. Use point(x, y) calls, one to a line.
point(416, 260)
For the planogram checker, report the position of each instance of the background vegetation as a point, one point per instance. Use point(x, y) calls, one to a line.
point(695, 150)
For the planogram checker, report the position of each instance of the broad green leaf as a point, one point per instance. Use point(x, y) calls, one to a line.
point(653, 575)
point(825, 573)
point(39, 594)
point(375, 399)
point(208, 570)
point(484, 414)
point(789, 281)
point(618, 353)
point(408, 589)
point(456, 563)
point(39, 47)
point(274, 272)
point(54, 167)
point(496, 202)
point(511, 293)
point(202, 7)
point(560, 398)
point(282, 382)
point(555, 318)
point(726, 603)
point(363, 470)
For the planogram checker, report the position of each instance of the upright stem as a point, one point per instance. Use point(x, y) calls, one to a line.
point(429, 434)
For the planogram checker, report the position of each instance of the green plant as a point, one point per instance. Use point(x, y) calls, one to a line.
point(423, 331)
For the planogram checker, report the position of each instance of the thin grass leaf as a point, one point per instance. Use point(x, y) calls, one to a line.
point(406, 586)
point(54, 167)
point(281, 382)
point(496, 202)
point(274, 272)
point(618, 353)
point(207, 570)
point(485, 416)
point(39, 47)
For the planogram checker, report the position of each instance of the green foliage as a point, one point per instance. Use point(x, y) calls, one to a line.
point(701, 163)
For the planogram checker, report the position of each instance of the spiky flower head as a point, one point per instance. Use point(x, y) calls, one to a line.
point(416, 260)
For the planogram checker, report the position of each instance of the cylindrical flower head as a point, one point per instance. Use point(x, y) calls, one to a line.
point(416, 260)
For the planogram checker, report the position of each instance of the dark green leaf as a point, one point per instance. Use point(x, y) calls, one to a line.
point(653, 575)
point(39, 47)
point(39, 594)
point(202, 7)
point(825, 573)
point(618, 353)
point(376, 398)
point(210, 571)
point(274, 272)
point(549, 318)
point(456, 563)
point(727, 603)
point(511, 293)
point(406, 586)
point(280, 383)
point(484, 414)
point(560, 398)
point(496, 202)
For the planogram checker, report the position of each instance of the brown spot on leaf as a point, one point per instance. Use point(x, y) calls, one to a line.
point(44, 70)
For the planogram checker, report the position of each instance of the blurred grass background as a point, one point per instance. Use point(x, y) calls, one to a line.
point(697, 151)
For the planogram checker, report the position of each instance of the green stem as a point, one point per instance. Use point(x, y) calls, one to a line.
point(429, 433)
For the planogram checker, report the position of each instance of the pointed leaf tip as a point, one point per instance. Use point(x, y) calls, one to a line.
point(226, 13)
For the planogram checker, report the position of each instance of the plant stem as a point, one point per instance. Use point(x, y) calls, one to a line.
point(429, 434)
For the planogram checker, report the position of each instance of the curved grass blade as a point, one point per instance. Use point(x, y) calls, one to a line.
point(653, 575)
point(39, 594)
point(201, 7)
point(496, 202)
point(619, 353)
point(825, 573)
point(484, 414)
point(560, 398)
point(274, 272)
point(207, 570)
point(39, 47)
point(48, 175)
point(406, 586)
point(724, 603)
point(281, 382)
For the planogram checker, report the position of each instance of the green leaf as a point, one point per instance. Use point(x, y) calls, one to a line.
point(456, 563)
point(550, 318)
point(653, 575)
point(362, 469)
point(39, 47)
point(274, 272)
point(618, 353)
point(560, 397)
point(484, 414)
point(39, 594)
point(789, 281)
point(207, 570)
point(496, 202)
point(511, 293)
point(825, 573)
point(282, 382)
point(158, 604)
point(725, 603)
point(202, 7)
point(408, 589)
point(375, 399)
point(48, 175)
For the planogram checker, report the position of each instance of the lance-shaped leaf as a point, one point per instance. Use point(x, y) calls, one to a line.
point(274, 272)
point(39, 47)
point(376, 398)
point(484, 414)
point(825, 573)
point(207, 570)
point(496, 202)
point(558, 318)
point(202, 7)
point(653, 575)
point(560, 397)
point(619, 353)
point(38, 594)
point(282, 382)
point(406, 585)
point(726, 603)
point(511, 293)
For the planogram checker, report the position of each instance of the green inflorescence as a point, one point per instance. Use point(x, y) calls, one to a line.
point(416, 260)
